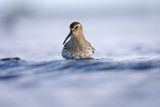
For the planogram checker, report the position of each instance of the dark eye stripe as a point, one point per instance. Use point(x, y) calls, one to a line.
point(76, 27)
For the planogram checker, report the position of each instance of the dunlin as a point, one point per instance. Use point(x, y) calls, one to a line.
point(77, 47)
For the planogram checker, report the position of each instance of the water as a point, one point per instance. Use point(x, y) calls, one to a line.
point(125, 71)
point(92, 82)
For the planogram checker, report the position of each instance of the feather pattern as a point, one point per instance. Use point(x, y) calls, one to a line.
point(77, 47)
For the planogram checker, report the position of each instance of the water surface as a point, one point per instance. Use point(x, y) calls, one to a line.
point(91, 82)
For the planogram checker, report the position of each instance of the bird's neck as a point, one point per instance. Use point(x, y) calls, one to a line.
point(78, 41)
point(79, 38)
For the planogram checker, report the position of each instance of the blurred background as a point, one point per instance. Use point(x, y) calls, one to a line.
point(125, 34)
point(35, 29)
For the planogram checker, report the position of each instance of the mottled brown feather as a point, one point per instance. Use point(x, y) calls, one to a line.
point(77, 47)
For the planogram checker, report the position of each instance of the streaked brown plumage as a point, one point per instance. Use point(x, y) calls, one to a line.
point(77, 47)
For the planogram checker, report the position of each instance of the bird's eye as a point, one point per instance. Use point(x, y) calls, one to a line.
point(76, 27)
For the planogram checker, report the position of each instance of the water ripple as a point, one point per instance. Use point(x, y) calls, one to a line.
point(15, 67)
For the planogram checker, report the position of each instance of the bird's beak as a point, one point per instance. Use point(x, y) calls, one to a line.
point(70, 33)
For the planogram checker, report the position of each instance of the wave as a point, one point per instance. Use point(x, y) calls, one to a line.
point(15, 67)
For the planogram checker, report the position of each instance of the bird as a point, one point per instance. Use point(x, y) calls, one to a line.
point(77, 46)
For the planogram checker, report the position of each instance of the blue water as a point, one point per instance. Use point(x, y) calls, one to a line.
point(91, 82)
point(124, 71)
point(16, 65)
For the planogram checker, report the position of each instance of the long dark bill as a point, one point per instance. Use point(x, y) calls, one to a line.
point(69, 35)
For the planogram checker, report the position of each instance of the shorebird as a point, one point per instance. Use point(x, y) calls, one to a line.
point(77, 47)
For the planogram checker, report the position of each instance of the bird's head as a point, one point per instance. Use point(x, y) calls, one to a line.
point(75, 30)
